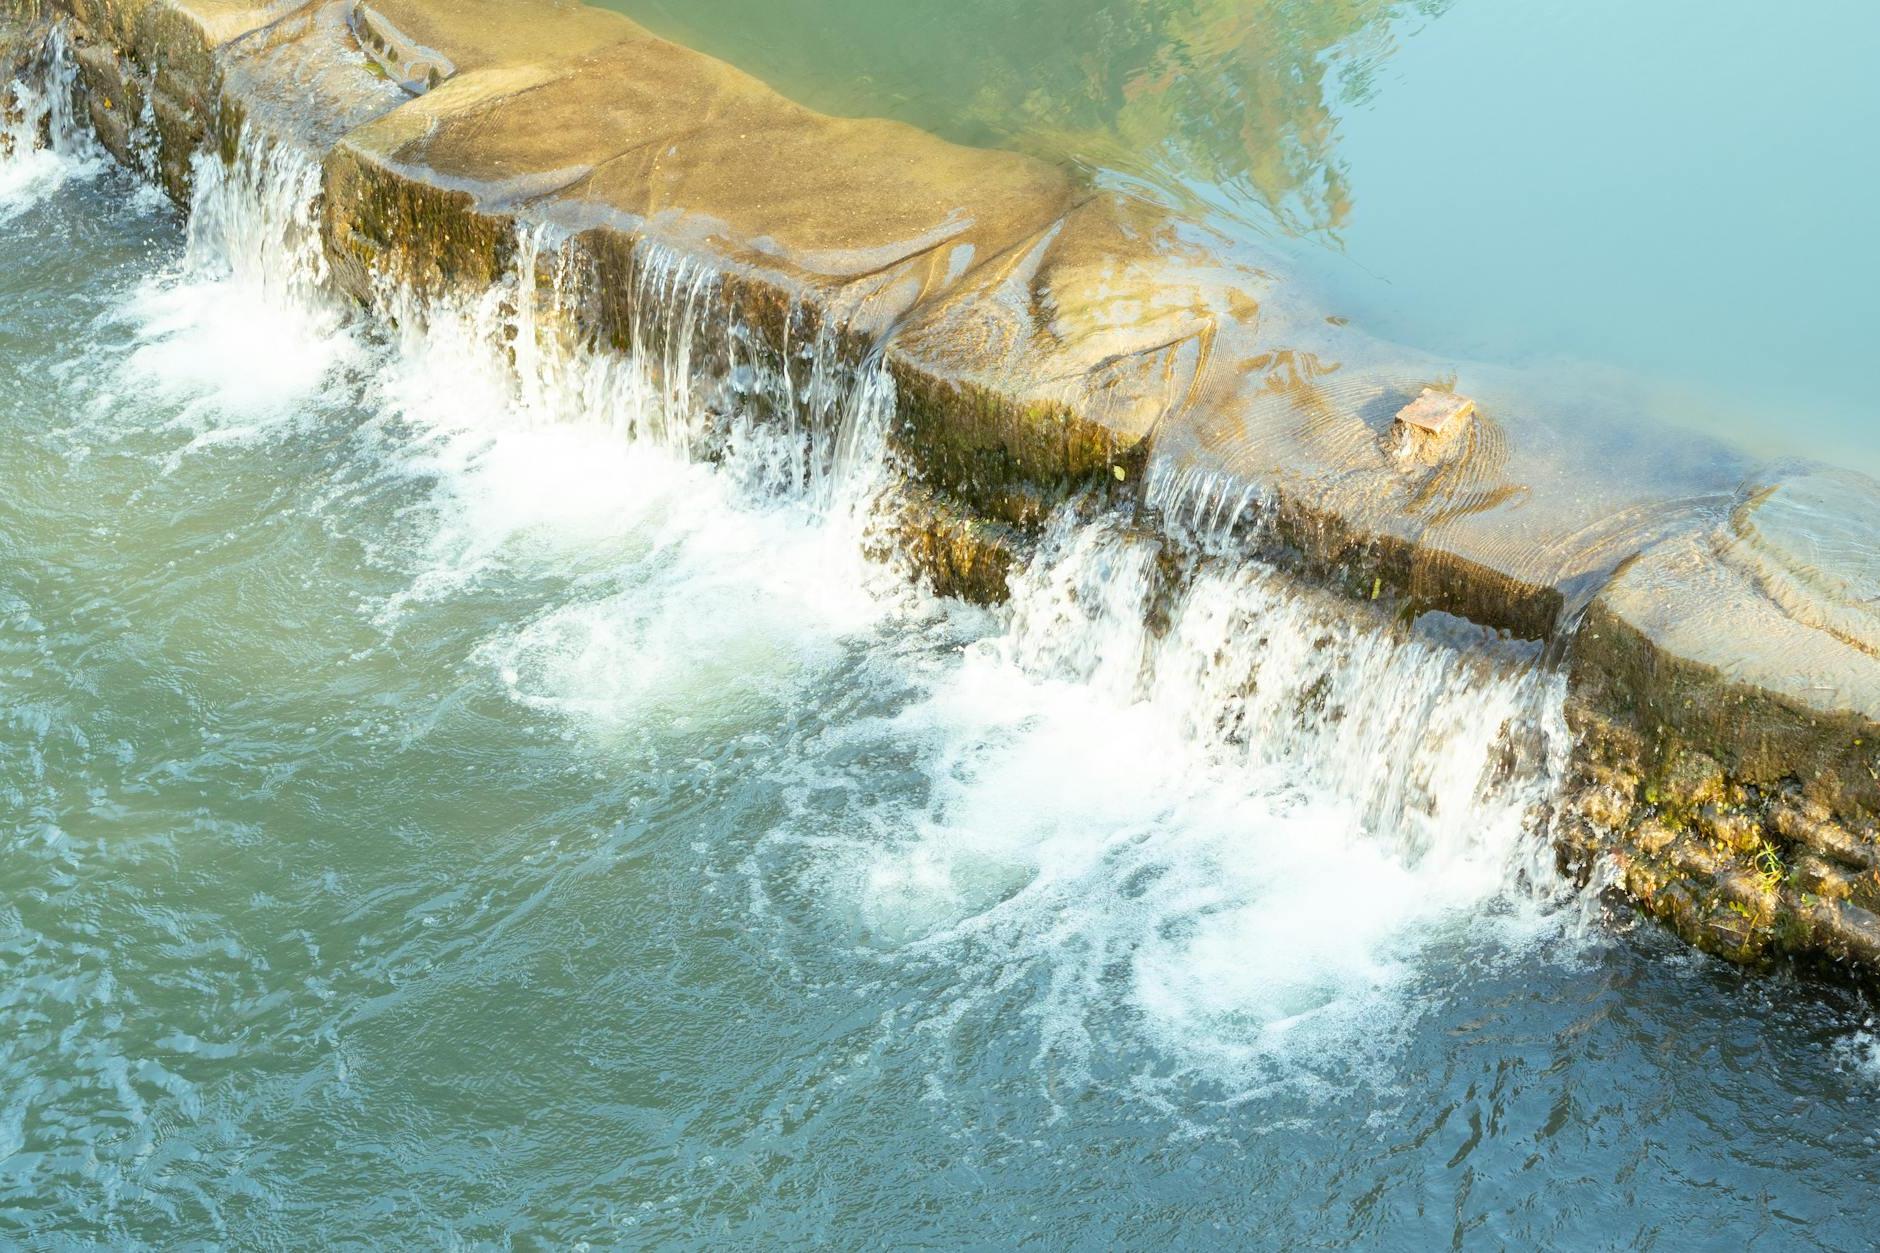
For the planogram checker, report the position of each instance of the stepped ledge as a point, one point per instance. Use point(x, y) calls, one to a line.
point(1047, 340)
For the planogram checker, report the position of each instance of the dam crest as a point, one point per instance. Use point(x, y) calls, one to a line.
point(1566, 650)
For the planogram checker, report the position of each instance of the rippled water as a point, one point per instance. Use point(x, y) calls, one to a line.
point(440, 810)
point(1662, 206)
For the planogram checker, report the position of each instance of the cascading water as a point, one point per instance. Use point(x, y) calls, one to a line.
point(1244, 808)
point(1443, 747)
point(1309, 792)
point(1429, 761)
point(696, 381)
point(240, 331)
point(462, 786)
point(42, 142)
point(257, 220)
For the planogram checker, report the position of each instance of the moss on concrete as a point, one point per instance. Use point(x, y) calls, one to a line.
point(1013, 460)
point(1750, 871)
point(955, 551)
point(379, 223)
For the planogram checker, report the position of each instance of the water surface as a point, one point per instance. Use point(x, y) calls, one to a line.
point(1663, 204)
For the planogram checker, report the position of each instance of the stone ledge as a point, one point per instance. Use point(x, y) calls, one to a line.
point(1046, 341)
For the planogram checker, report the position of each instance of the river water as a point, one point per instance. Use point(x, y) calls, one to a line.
point(442, 807)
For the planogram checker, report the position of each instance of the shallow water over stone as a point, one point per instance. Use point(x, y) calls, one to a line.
point(443, 807)
point(1583, 189)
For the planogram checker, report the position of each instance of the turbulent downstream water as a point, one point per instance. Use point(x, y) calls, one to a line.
point(443, 808)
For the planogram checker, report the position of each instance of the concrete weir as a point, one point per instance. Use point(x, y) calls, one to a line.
point(1719, 618)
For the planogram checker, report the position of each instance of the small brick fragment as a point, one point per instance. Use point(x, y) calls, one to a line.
point(1436, 412)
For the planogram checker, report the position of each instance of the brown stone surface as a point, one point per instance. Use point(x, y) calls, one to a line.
point(601, 126)
point(157, 58)
point(1053, 363)
point(955, 552)
point(307, 76)
point(1436, 412)
point(1726, 700)
point(1745, 871)
point(17, 33)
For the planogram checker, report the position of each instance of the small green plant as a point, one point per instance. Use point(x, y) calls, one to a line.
point(1769, 866)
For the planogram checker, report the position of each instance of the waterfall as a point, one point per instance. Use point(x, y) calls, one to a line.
point(1209, 509)
point(258, 220)
point(799, 421)
point(1444, 740)
point(242, 331)
point(44, 110)
point(43, 140)
point(1252, 815)
point(1447, 742)
point(1252, 803)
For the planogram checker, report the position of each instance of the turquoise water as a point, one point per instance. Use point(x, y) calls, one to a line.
point(439, 808)
point(1665, 204)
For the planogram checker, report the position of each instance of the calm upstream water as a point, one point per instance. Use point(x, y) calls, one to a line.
point(1666, 205)
point(440, 809)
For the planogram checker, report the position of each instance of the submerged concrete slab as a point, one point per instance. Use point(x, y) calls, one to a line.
point(1047, 341)
point(1051, 365)
point(307, 75)
point(1514, 524)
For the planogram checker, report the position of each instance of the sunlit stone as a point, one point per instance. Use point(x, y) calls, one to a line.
point(1436, 412)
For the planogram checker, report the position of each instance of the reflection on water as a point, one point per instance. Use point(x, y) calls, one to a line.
point(1663, 204)
point(1230, 103)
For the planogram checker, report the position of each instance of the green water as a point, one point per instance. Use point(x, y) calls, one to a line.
point(1668, 204)
point(430, 817)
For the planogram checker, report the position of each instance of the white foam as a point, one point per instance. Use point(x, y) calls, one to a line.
point(42, 145)
point(698, 584)
point(685, 601)
point(692, 591)
point(1861, 1052)
point(1243, 837)
point(238, 337)
point(232, 362)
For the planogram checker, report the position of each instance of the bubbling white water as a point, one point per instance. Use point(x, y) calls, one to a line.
point(717, 556)
point(1861, 1051)
point(239, 337)
point(692, 600)
point(1243, 824)
point(714, 557)
point(42, 143)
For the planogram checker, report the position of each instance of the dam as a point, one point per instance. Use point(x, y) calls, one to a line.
point(581, 674)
